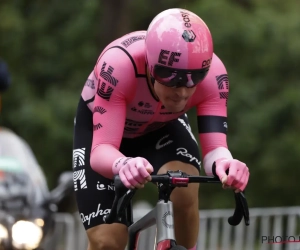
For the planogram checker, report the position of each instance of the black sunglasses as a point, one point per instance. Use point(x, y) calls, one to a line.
point(171, 77)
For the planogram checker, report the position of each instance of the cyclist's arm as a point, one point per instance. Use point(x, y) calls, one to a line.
point(212, 115)
point(114, 88)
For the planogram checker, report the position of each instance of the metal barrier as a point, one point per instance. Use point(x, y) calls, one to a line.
point(267, 231)
point(275, 228)
point(64, 233)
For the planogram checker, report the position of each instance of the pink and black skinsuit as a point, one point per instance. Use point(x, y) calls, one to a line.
point(119, 115)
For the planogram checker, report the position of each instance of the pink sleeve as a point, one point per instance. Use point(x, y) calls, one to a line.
point(115, 77)
point(212, 109)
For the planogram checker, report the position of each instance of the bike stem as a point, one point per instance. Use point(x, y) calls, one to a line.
point(164, 214)
point(164, 192)
point(165, 189)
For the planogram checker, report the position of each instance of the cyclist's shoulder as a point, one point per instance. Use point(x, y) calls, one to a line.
point(214, 82)
point(118, 68)
point(216, 64)
point(217, 69)
point(130, 46)
point(133, 41)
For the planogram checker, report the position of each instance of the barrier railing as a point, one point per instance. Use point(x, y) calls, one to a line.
point(276, 228)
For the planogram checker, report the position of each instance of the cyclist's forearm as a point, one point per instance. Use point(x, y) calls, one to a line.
point(102, 159)
point(213, 155)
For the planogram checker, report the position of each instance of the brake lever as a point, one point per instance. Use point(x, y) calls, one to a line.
point(241, 210)
point(245, 209)
point(119, 201)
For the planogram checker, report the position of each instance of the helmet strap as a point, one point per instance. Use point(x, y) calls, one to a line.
point(152, 80)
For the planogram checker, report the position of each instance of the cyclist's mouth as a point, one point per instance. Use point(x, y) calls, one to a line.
point(177, 100)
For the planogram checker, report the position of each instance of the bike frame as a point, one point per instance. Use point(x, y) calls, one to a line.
point(161, 216)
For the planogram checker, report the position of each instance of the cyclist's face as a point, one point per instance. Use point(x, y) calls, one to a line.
point(174, 99)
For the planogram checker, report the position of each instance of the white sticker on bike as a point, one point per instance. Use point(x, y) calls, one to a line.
point(184, 152)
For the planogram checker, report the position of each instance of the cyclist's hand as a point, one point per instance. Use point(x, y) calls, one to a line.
point(238, 173)
point(133, 172)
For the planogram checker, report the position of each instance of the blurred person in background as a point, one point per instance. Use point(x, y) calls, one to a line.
point(13, 146)
point(27, 207)
point(131, 120)
point(4, 78)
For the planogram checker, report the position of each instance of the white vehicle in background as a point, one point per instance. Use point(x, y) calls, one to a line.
point(27, 207)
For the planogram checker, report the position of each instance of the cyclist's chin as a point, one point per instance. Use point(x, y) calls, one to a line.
point(175, 105)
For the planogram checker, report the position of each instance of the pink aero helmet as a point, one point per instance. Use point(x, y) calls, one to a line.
point(179, 48)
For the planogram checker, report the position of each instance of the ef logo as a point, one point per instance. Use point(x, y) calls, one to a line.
point(168, 57)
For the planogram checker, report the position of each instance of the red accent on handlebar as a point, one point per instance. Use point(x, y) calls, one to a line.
point(179, 181)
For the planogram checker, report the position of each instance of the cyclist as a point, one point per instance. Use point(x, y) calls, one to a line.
point(131, 120)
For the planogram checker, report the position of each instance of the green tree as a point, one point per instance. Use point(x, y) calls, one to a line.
point(51, 47)
point(259, 46)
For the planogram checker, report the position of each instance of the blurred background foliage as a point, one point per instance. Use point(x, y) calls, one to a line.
point(51, 47)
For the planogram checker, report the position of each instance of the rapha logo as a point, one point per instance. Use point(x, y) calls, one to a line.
point(99, 212)
point(184, 152)
point(160, 145)
point(225, 125)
